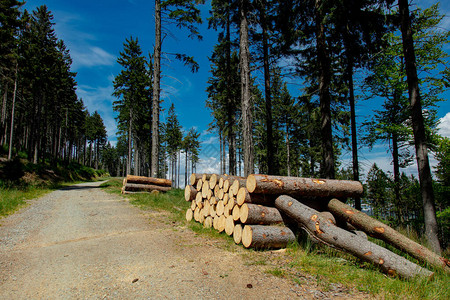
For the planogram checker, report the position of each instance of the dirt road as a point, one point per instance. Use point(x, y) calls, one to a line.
point(80, 242)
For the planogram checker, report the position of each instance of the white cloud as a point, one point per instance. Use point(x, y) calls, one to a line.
point(444, 125)
point(91, 57)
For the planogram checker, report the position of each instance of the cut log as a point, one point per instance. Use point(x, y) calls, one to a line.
point(197, 214)
point(216, 191)
point(226, 185)
point(221, 194)
point(229, 225)
point(221, 223)
point(198, 198)
point(193, 205)
point(258, 214)
point(212, 211)
point(199, 185)
point(215, 222)
point(243, 196)
point(208, 222)
point(226, 196)
point(205, 188)
point(206, 177)
point(212, 181)
point(328, 216)
point(237, 233)
point(236, 184)
point(383, 232)
point(236, 213)
point(209, 194)
point(260, 236)
point(213, 200)
point(220, 208)
point(296, 186)
point(231, 204)
point(325, 232)
point(189, 193)
point(201, 216)
point(189, 214)
point(206, 207)
point(194, 178)
point(148, 180)
point(134, 187)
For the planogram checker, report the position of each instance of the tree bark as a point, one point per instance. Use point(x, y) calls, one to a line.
point(383, 232)
point(258, 214)
point(325, 232)
point(355, 163)
point(426, 183)
point(134, 187)
point(156, 91)
point(247, 118)
point(267, 91)
point(260, 236)
point(12, 116)
point(327, 166)
point(296, 186)
point(244, 196)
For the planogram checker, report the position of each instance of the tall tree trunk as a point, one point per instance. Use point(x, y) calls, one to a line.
point(156, 90)
point(351, 99)
point(247, 118)
point(269, 124)
point(230, 104)
point(186, 168)
point(395, 157)
point(130, 142)
point(426, 183)
point(288, 154)
point(12, 116)
point(327, 166)
point(3, 116)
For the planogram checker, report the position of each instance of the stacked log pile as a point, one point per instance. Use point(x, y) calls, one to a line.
point(264, 211)
point(141, 184)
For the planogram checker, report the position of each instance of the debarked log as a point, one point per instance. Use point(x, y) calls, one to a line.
point(148, 180)
point(262, 236)
point(258, 214)
point(297, 186)
point(331, 235)
point(383, 232)
point(133, 187)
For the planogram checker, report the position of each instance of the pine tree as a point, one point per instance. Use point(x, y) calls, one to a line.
point(132, 87)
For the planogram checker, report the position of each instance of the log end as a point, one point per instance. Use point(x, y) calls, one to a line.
point(243, 213)
point(192, 179)
point(251, 183)
point(247, 235)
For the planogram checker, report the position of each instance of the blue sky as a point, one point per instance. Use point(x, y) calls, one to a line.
point(94, 31)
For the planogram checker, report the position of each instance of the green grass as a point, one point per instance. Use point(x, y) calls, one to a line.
point(11, 199)
point(326, 265)
point(21, 180)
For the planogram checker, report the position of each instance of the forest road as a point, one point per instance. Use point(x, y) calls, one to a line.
point(80, 242)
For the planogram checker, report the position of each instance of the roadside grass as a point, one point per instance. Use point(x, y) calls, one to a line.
point(12, 199)
point(326, 265)
point(21, 180)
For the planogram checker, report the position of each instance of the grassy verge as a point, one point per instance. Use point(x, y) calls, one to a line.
point(21, 180)
point(13, 199)
point(304, 260)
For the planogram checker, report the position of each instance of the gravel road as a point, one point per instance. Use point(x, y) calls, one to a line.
point(80, 242)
